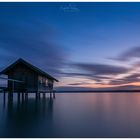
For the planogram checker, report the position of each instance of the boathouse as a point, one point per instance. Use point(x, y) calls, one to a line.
point(28, 78)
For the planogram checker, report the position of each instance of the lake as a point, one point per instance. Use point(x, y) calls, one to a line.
point(72, 115)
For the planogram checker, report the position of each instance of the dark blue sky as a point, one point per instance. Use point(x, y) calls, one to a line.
point(83, 44)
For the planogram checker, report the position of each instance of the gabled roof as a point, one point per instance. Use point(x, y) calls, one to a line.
point(39, 71)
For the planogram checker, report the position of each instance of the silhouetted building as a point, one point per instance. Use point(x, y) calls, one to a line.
point(29, 78)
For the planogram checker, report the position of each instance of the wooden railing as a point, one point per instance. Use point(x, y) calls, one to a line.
point(13, 81)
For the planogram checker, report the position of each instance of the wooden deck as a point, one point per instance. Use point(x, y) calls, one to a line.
point(23, 92)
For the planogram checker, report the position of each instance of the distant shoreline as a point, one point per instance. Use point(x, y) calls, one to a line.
point(98, 91)
point(89, 91)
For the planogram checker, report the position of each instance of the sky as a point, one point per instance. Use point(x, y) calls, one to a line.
point(84, 45)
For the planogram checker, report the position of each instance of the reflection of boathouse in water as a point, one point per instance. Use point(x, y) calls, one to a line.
point(26, 78)
point(25, 118)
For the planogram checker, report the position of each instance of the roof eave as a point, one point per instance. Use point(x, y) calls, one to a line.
point(5, 71)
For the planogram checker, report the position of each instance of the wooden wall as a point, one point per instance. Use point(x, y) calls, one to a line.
point(23, 73)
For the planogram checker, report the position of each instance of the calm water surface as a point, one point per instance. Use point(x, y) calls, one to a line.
point(72, 115)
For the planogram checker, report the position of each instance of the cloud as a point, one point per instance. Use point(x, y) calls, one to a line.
point(103, 74)
point(79, 88)
point(135, 77)
point(90, 76)
point(99, 73)
point(33, 41)
point(136, 64)
point(101, 69)
point(128, 54)
point(78, 83)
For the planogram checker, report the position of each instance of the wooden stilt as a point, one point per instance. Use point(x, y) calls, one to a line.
point(26, 96)
point(10, 99)
point(50, 94)
point(38, 95)
point(10, 96)
point(18, 96)
point(54, 95)
point(22, 97)
point(4, 98)
point(18, 100)
point(44, 95)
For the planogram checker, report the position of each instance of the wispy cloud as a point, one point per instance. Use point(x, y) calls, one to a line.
point(101, 69)
point(132, 78)
point(79, 88)
point(98, 73)
point(129, 54)
point(103, 74)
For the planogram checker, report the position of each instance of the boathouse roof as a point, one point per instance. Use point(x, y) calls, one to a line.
point(34, 68)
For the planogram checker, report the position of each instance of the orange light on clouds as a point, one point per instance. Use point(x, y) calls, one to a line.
point(89, 83)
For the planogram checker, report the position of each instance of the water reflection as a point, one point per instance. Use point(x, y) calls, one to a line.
point(98, 115)
point(24, 117)
point(71, 115)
